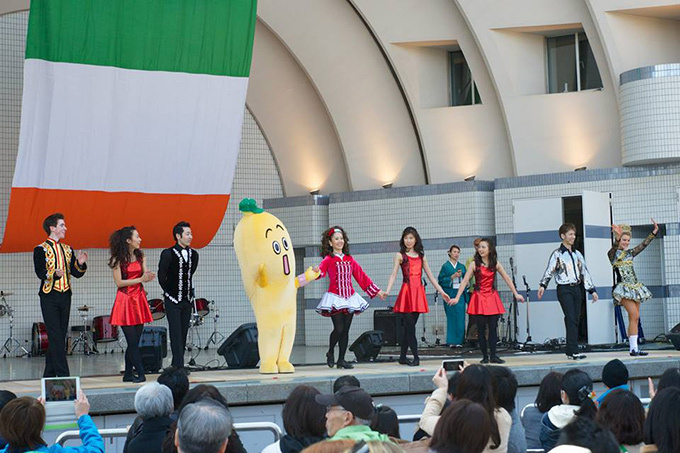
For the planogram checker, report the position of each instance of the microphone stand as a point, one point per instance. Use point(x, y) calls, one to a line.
point(515, 328)
point(526, 286)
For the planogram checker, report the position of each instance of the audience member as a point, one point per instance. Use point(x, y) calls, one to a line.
point(376, 447)
point(662, 427)
point(5, 397)
point(330, 446)
point(177, 381)
point(623, 414)
point(505, 390)
point(614, 377)
point(464, 427)
point(203, 427)
point(348, 412)
point(385, 421)
point(584, 432)
point(475, 384)
point(547, 397)
point(23, 419)
point(577, 389)
point(303, 420)
point(436, 403)
point(154, 404)
point(198, 393)
point(342, 381)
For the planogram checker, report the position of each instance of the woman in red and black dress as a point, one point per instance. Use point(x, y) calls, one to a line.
point(485, 303)
point(131, 309)
point(411, 301)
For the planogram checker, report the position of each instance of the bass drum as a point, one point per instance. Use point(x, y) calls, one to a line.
point(202, 307)
point(103, 331)
point(39, 341)
point(157, 308)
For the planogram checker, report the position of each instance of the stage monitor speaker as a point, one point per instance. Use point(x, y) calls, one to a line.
point(153, 336)
point(152, 359)
point(386, 320)
point(367, 346)
point(674, 336)
point(240, 348)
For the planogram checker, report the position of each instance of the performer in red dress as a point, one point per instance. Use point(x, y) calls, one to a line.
point(411, 301)
point(341, 302)
point(131, 309)
point(485, 303)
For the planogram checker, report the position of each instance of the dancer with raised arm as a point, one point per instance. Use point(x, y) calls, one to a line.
point(55, 263)
point(411, 301)
point(485, 303)
point(569, 268)
point(341, 302)
point(629, 292)
point(131, 308)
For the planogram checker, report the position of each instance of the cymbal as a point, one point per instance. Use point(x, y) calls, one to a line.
point(6, 293)
point(83, 308)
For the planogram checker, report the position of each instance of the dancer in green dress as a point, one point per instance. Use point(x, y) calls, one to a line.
point(450, 276)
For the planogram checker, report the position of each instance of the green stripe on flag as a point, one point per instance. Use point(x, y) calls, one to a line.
point(193, 36)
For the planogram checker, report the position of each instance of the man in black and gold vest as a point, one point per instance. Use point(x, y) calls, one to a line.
point(54, 263)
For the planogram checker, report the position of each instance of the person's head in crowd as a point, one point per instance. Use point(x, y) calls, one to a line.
point(154, 400)
point(464, 427)
point(349, 406)
point(21, 423)
point(623, 414)
point(614, 374)
point(203, 427)
point(331, 446)
point(385, 421)
point(669, 378)
point(178, 383)
point(302, 416)
point(5, 397)
point(504, 387)
point(206, 391)
point(475, 385)
point(577, 390)
point(586, 433)
point(662, 427)
point(453, 385)
point(347, 379)
point(549, 392)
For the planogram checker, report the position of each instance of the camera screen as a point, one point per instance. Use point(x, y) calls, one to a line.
point(60, 390)
point(452, 365)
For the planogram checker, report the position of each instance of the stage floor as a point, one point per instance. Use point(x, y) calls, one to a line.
point(108, 394)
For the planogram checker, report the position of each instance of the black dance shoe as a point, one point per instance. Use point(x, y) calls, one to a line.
point(414, 362)
point(496, 359)
point(344, 364)
point(138, 379)
point(638, 353)
point(484, 360)
point(404, 361)
point(129, 377)
point(330, 360)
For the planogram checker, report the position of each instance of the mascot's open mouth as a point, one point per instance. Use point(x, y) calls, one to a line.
point(286, 266)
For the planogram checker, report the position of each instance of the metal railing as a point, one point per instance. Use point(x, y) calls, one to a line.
point(112, 433)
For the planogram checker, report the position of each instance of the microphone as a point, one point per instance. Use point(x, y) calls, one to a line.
point(524, 277)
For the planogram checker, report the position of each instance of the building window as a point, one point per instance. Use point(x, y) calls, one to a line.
point(571, 64)
point(463, 87)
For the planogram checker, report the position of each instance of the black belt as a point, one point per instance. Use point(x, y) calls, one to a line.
point(570, 284)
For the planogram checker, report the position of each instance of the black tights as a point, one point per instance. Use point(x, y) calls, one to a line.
point(408, 337)
point(491, 321)
point(340, 334)
point(133, 356)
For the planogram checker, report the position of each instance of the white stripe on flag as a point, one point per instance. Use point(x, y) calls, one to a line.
point(103, 128)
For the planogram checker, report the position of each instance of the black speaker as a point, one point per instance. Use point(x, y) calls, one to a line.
point(386, 320)
point(240, 348)
point(153, 336)
point(674, 336)
point(152, 359)
point(367, 346)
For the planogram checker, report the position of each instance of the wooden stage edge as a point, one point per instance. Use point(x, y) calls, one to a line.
point(108, 394)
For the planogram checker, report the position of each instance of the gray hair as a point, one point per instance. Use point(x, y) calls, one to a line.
point(154, 400)
point(203, 427)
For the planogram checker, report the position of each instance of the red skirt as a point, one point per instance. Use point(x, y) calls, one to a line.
point(130, 308)
point(411, 299)
point(485, 303)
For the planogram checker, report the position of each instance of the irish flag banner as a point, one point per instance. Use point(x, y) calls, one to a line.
point(132, 114)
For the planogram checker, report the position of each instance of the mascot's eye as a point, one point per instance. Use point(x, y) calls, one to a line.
point(277, 247)
point(284, 241)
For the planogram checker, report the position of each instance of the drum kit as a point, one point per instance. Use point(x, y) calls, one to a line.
point(11, 345)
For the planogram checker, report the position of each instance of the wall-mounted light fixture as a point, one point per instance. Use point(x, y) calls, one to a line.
point(580, 168)
point(387, 185)
point(314, 192)
point(469, 178)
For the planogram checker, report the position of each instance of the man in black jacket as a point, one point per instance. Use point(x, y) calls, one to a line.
point(55, 263)
point(175, 272)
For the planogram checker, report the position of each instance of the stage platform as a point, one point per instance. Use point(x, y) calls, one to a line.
point(109, 395)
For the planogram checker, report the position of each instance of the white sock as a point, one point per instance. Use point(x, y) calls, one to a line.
point(632, 342)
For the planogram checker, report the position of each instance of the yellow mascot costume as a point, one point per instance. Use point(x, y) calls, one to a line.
point(267, 261)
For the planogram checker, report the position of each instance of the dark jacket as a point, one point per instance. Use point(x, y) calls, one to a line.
point(149, 439)
point(175, 274)
point(552, 423)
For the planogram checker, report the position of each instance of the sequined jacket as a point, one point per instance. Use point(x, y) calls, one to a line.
point(622, 260)
point(568, 268)
point(45, 264)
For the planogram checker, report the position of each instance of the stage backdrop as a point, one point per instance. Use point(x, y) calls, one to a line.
point(132, 113)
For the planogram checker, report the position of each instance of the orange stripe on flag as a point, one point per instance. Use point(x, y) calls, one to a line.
point(91, 216)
